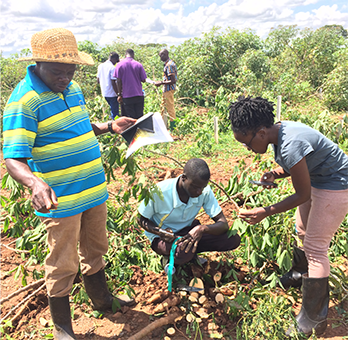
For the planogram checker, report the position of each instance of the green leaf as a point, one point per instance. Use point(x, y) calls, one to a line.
point(254, 258)
point(284, 261)
point(115, 306)
point(240, 226)
point(6, 224)
point(97, 314)
point(142, 179)
point(265, 223)
point(18, 272)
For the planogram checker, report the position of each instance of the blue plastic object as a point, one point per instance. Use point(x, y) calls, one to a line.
point(171, 264)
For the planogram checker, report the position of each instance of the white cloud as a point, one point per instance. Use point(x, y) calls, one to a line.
point(54, 10)
point(139, 21)
point(325, 15)
point(172, 5)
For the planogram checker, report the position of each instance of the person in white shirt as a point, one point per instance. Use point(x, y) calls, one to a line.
point(107, 83)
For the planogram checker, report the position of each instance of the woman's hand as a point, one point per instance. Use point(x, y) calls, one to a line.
point(268, 177)
point(252, 216)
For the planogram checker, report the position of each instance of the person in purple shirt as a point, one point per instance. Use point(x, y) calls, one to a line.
point(130, 74)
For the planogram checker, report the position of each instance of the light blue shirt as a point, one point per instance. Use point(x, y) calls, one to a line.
point(176, 214)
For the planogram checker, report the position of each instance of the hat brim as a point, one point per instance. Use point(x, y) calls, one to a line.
point(82, 59)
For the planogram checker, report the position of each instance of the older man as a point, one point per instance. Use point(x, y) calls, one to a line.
point(50, 146)
point(170, 76)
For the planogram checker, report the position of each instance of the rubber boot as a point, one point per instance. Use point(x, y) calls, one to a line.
point(172, 125)
point(98, 292)
point(61, 317)
point(315, 306)
point(293, 278)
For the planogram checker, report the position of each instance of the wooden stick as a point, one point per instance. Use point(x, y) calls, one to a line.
point(183, 98)
point(16, 250)
point(216, 130)
point(23, 289)
point(158, 167)
point(159, 296)
point(161, 154)
point(14, 241)
point(21, 310)
point(21, 303)
point(279, 107)
point(181, 332)
point(155, 325)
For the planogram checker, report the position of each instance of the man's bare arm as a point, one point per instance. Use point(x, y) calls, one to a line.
point(118, 126)
point(43, 196)
point(171, 81)
point(114, 86)
point(151, 227)
point(119, 86)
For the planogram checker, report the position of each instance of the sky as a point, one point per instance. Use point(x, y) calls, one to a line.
point(158, 21)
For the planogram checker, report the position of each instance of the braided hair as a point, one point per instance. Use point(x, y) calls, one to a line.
point(250, 114)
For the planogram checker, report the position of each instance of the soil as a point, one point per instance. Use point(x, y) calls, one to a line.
point(33, 320)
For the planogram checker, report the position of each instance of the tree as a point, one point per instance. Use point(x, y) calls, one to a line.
point(211, 61)
point(279, 39)
point(336, 84)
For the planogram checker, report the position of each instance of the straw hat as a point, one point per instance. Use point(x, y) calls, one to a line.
point(57, 45)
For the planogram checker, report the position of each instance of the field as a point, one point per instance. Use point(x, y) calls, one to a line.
point(308, 70)
point(243, 284)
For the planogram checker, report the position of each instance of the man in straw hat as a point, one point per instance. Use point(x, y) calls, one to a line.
point(50, 146)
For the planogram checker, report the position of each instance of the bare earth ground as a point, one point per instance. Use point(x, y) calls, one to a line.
point(32, 321)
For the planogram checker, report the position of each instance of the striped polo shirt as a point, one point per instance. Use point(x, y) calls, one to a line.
point(53, 132)
point(168, 72)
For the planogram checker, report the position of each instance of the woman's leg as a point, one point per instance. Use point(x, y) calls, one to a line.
point(328, 210)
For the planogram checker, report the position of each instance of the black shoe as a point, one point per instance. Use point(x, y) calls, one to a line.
point(315, 307)
point(293, 278)
point(61, 317)
point(98, 292)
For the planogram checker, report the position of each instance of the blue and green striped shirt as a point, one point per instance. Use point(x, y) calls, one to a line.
point(53, 132)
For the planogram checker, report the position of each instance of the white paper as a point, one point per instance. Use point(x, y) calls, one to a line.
point(142, 138)
point(148, 80)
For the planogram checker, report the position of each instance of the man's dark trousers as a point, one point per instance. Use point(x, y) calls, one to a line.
point(133, 107)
